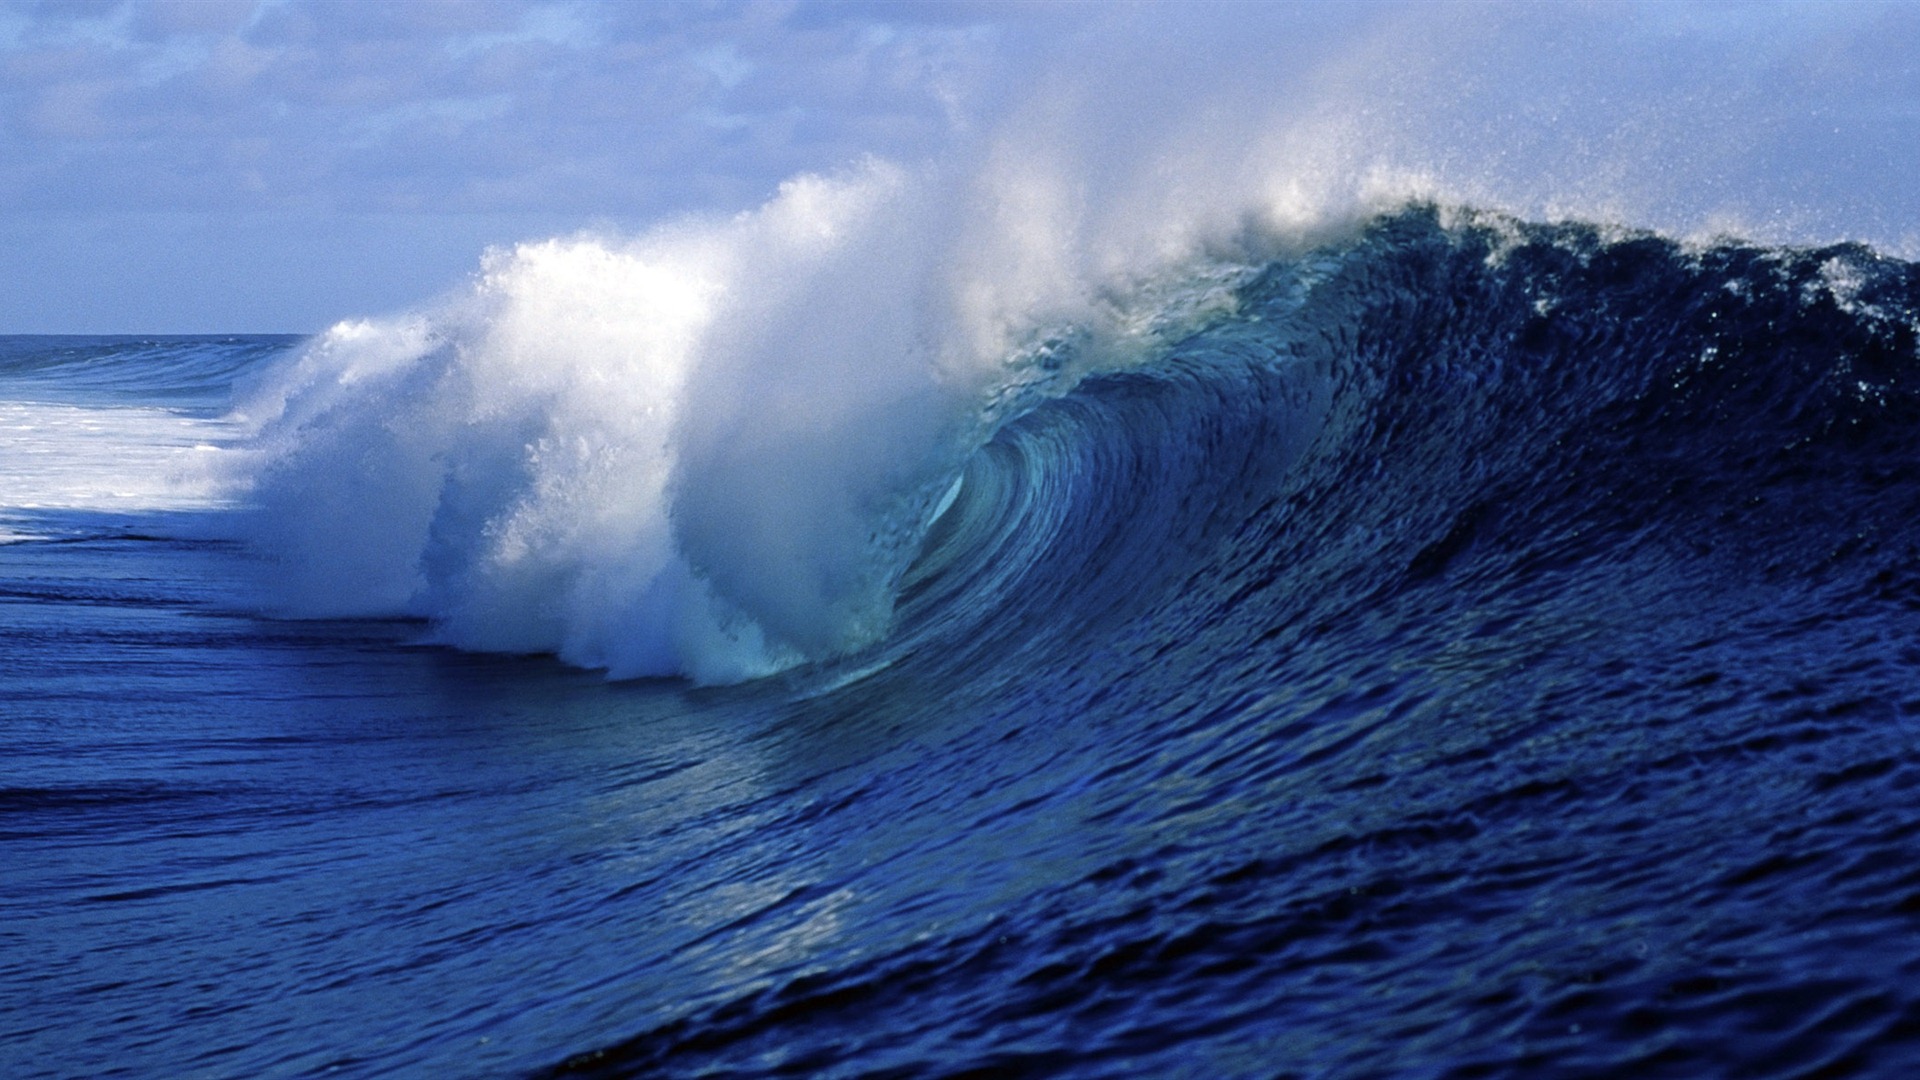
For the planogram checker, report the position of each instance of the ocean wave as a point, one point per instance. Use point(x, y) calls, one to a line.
point(721, 451)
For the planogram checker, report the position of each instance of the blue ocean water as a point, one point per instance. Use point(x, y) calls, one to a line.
point(1462, 648)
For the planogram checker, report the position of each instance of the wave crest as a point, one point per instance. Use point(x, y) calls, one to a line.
point(606, 450)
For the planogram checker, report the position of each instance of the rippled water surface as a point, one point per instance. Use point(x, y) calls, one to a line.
point(1484, 649)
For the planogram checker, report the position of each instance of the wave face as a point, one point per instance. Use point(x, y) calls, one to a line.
point(1458, 646)
point(1478, 648)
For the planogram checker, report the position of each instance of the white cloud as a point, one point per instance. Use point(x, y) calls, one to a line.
point(570, 24)
point(724, 63)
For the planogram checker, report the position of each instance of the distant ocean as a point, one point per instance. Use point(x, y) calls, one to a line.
point(1446, 646)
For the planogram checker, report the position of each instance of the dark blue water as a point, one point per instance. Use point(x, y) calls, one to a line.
point(1488, 650)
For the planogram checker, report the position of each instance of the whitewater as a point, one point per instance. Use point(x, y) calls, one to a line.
point(1288, 580)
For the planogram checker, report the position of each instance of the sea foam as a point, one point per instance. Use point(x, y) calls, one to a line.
point(673, 454)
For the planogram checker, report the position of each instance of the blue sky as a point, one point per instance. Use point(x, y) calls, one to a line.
point(261, 165)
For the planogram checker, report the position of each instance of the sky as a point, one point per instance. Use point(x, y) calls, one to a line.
point(177, 166)
point(231, 165)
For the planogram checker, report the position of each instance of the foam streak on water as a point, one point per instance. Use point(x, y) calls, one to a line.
point(119, 426)
point(73, 457)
